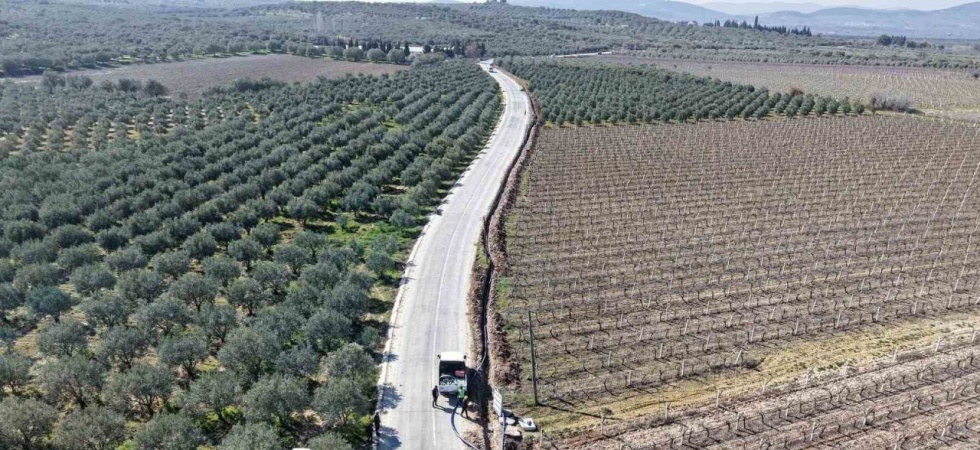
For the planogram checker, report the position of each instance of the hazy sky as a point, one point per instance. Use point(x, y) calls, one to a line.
point(912, 4)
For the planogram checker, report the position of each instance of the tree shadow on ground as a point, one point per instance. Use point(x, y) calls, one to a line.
point(388, 439)
point(390, 397)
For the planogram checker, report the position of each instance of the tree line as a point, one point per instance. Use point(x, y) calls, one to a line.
point(743, 25)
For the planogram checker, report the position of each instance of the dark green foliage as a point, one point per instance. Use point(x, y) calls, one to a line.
point(221, 269)
point(90, 279)
point(120, 346)
point(25, 423)
point(302, 209)
point(173, 264)
point(76, 380)
point(36, 277)
point(292, 256)
point(183, 352)
point(326, 330)
point(337, 402)
point(248, 294)
point(163, 316)
point(94, 428)
point(131, 258)
point(275, 398)
point(380, 262)
point(266, 234)
point(71, 258)
point(245, 251)
point(252, 436)
point(216, 321)
point(346, 393)
point(299, 361)
point(329, 441)
point(139, 391)
point(140, 285)
point(148, 209)
point(47, 301)
point(14, 372)
point(350, 362)
point(272, 276)
point(66, 338)
point(249, 352)
point(10, 299)
point(321, 276)
point(201, 245)
point(575, 92)
point(211, 393)
point(168, 432)
point(194, 289)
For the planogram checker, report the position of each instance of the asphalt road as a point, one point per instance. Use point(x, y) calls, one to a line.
point(429, 315)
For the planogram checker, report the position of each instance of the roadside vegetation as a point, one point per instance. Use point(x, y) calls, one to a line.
point(226, 284)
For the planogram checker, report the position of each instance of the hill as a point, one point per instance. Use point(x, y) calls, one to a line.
point(960, 22)
point(660, 9)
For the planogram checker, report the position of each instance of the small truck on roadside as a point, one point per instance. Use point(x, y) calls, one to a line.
point(452, 373)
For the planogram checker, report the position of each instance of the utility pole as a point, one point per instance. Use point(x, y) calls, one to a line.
point(534, 359)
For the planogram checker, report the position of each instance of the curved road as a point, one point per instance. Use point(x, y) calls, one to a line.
point(429, 314)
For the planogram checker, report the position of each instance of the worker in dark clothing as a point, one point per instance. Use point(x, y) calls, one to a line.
point(377, 425)
point(466, 406)
point(435, 395)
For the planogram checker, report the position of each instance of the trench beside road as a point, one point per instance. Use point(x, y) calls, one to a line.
point(429, 314)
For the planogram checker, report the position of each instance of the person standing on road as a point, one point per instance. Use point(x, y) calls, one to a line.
point(435, 395)
point(461, 399)
point(377, 425)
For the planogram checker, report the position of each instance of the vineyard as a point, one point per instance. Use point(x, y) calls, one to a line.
point(925, 88)
point(676, 266)
point(224, 284)
point(576, 92)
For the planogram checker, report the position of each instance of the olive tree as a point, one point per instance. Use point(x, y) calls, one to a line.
point(194, 289)
point(140, 391)
point(168, 432)
point(15, 372)
point(25, 423)
point(76, 380)
point(94, 428)
point(120, 346)
point(65, 338)
point(252, 436)
point(221, 269)
point(183, 352)
point(275, 398)
point(211, 393)
point(48, 301)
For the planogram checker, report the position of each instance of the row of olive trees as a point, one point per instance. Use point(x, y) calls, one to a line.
point(583, 92)
point(395, 56)
point(222, 282)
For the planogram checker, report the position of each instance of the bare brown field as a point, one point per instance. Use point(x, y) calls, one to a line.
point(805, 269)
point(198, 75)
point(926, 88)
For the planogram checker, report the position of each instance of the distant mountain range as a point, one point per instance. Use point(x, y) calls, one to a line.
point(960, 22)
point(751, 9)
point(661, 9)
